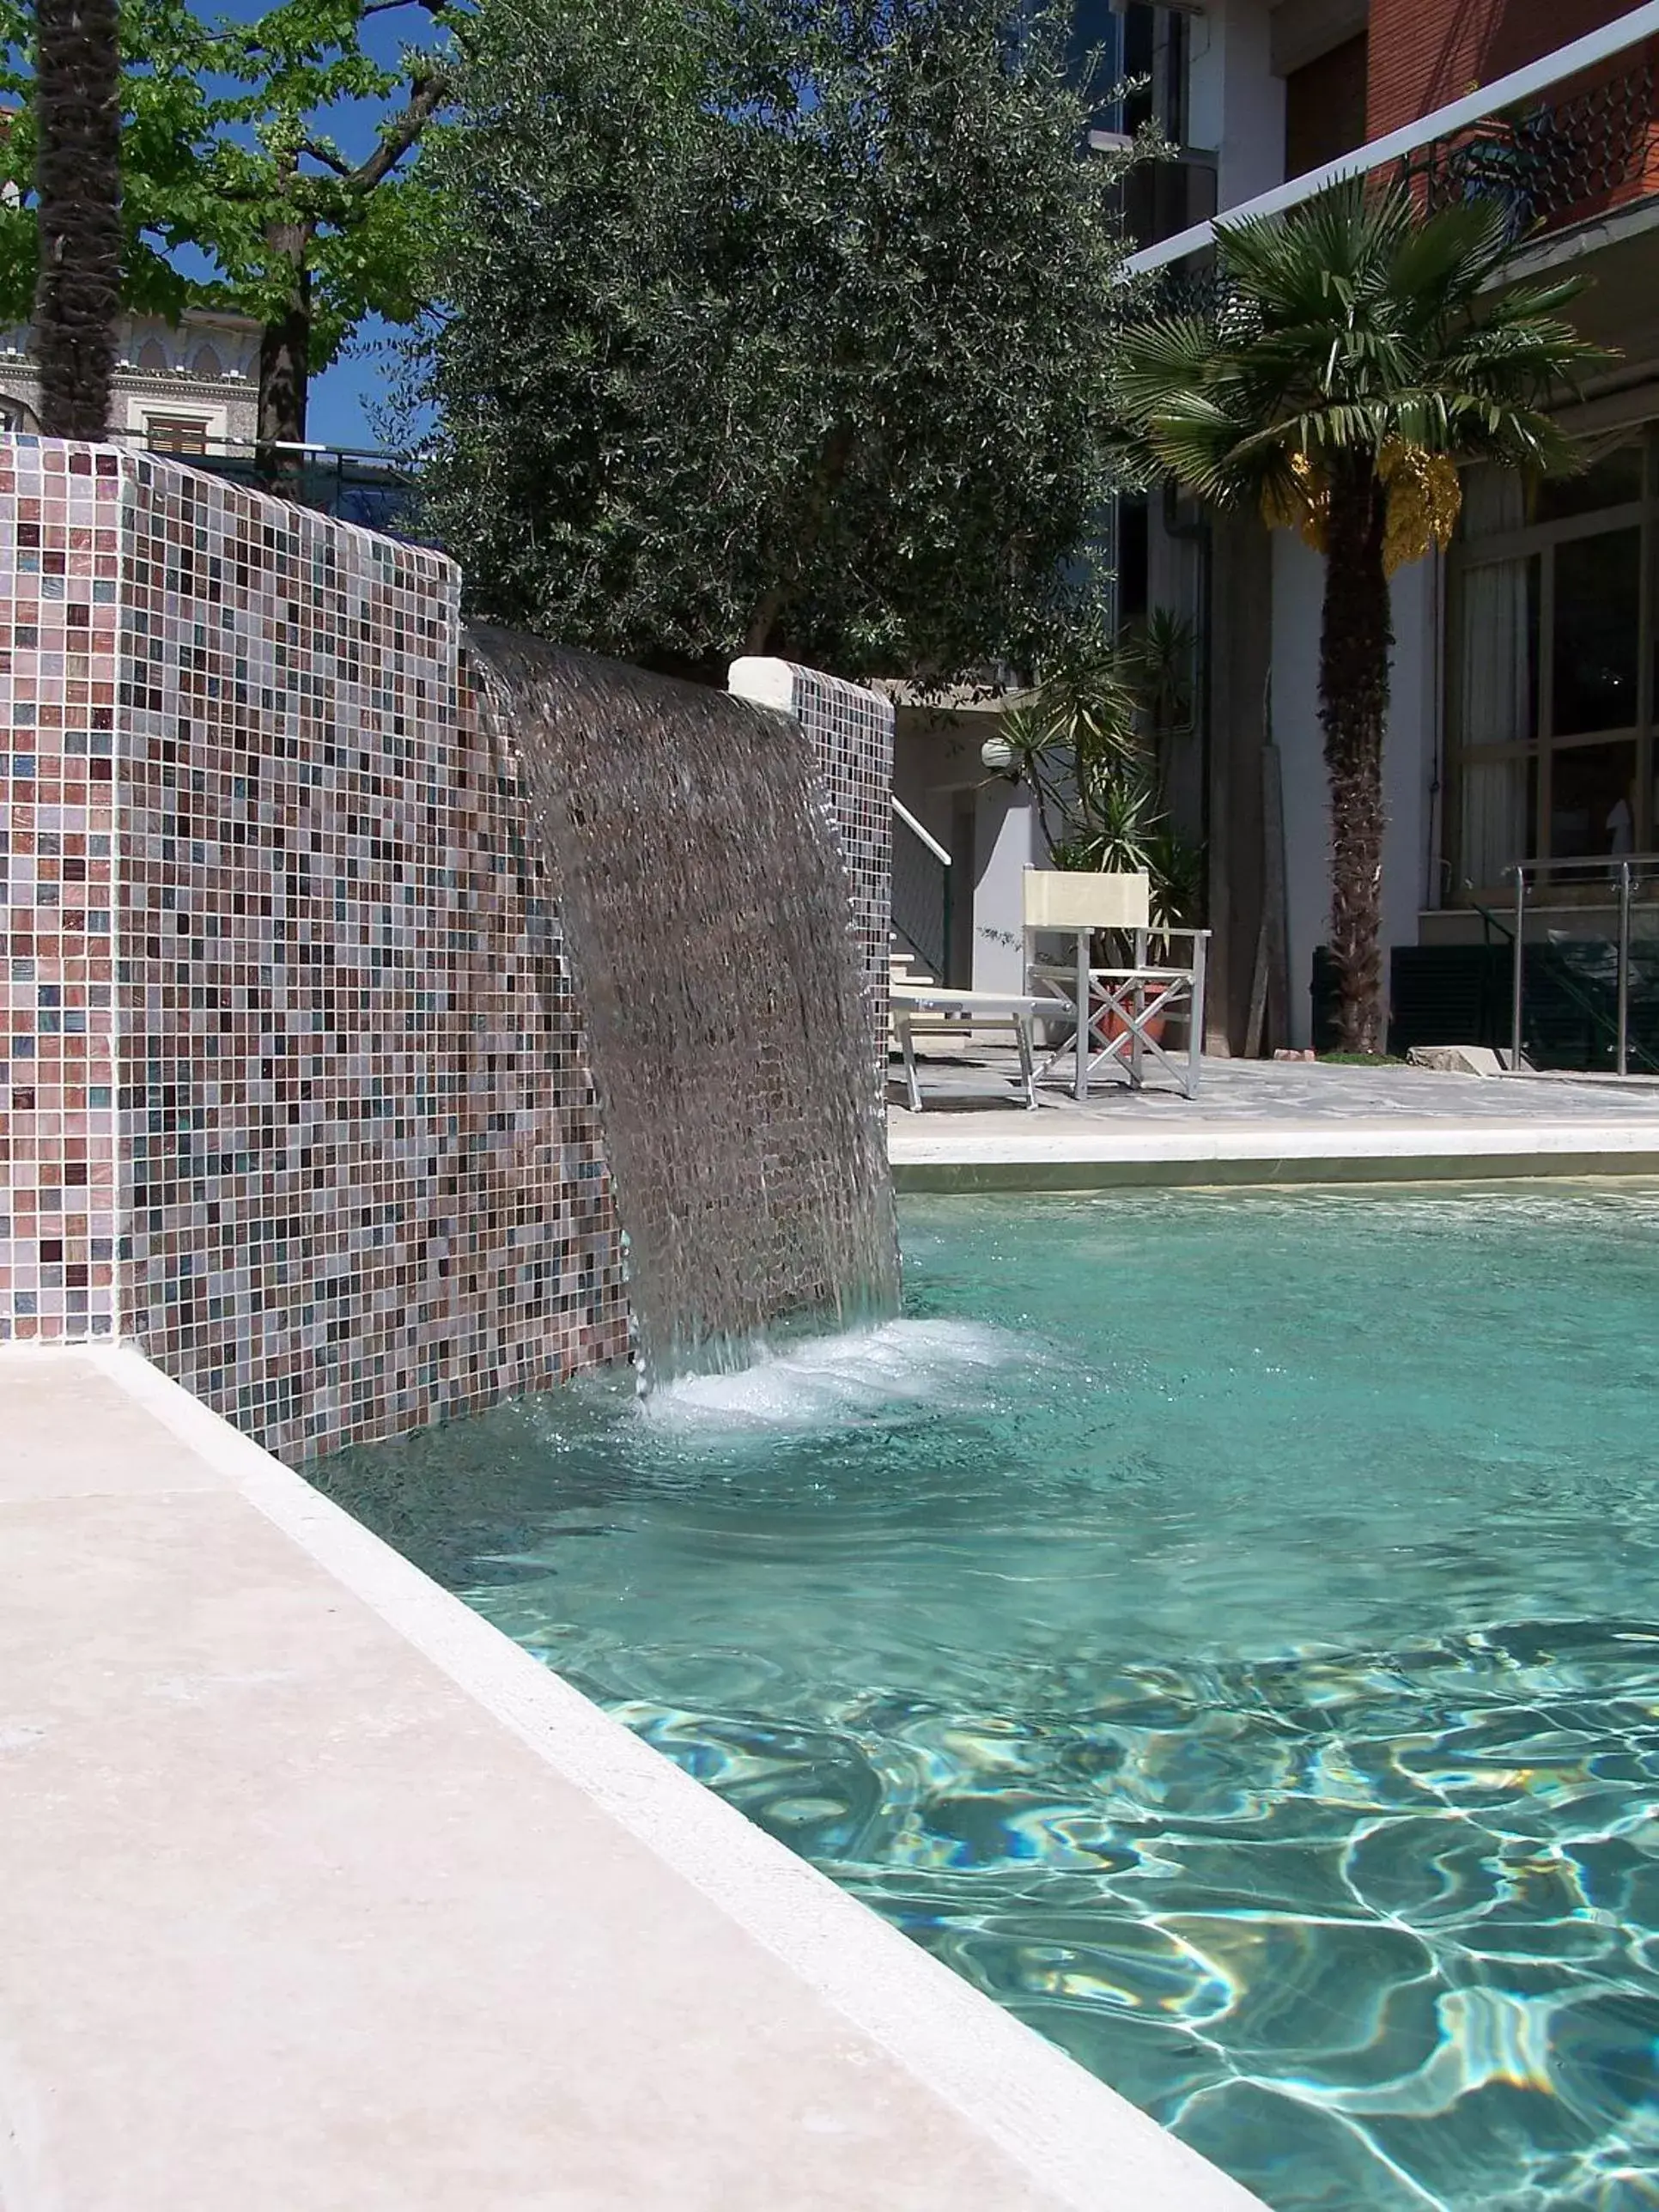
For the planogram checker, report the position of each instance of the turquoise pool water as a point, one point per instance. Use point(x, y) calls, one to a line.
point(1226, 1629)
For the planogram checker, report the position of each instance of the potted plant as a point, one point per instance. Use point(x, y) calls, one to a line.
point(1092, 739)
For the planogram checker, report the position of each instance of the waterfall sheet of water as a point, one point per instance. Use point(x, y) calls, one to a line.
point(705, 905)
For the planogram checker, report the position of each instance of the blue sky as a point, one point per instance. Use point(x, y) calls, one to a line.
point(343, 396)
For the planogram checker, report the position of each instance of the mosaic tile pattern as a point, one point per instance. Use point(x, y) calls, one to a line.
point(705, 900)
point(297, 1090)
point(60, 558)
point(851, 733)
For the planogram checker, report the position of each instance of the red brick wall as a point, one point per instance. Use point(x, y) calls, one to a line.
point(1426, 52)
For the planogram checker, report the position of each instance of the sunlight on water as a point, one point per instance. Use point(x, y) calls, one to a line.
point(1226, 1629)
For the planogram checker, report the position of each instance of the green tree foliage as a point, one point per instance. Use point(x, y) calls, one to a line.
point(771, 325)
point(1363, 353)
point(231, 144)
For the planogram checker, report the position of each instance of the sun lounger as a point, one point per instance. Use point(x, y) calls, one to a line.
point(933, 1011)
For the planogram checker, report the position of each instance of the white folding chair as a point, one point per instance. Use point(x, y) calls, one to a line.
point(1109, 1012)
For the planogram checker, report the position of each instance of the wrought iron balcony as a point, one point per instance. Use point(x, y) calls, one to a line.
point(1560, 163)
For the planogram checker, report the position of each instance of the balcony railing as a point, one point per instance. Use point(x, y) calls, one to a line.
point(1555, 163)
point(1162, 197)
point(1563, 141)
point(1550, 165)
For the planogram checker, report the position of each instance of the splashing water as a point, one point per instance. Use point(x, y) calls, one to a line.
point(707, 914)
point(883, 1375)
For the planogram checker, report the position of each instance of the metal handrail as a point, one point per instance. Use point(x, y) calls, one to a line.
point(1625, 870)
point(922, 910)
point(918, 829)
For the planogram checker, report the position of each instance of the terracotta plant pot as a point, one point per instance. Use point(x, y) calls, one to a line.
point(1115, 1026)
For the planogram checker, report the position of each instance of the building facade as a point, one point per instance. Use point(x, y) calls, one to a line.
point(956, 886)
point(1526, 669)
point(189, 388)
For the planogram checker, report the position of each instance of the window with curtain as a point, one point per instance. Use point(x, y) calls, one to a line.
point(1497, 701)
point(1551, 714)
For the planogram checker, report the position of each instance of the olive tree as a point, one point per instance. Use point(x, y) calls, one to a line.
point(772, 326)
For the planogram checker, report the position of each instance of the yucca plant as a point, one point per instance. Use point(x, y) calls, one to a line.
point(1365, 351)
point(1088, 740)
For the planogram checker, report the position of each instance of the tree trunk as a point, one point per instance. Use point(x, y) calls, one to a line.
point(285, 361)
point(77, 95)
point(1353, 707)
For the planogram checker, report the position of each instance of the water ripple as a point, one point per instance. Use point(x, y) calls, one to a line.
point(1241, 1662)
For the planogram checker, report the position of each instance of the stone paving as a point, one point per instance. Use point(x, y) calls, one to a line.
point(1292, 1092)
point(1269, 1121)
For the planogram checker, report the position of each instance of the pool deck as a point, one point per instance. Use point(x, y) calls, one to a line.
point(1256, 1121)
point(321, 1896)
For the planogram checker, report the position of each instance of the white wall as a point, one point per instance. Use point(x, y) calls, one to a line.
point(1237, 103)
point(934, 768)
point(1007, 841)
point(1408, 758)
point(1409, 755)
point(1297, 577)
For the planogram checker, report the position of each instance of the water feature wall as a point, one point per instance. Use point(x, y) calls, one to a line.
point(705, 900)
point(850, 730)
point(296, 1092)
point(293, 1084)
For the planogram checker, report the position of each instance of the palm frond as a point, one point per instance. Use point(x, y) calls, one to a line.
point(1364, 326)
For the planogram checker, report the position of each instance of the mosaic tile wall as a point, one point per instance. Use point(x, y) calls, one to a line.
point(60, 567)
point(850, 730)
point(293, 1087)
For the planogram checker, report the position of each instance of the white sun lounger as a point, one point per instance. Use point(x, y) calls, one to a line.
point(936, 1012)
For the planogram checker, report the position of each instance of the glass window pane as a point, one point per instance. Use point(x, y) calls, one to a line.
point(1614, 481)
point(1498, 688)
point(1500, 818)
point(1597, 583)
point(1592, 799)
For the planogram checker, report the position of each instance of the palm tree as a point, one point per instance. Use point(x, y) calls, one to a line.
point(1363, 352)
point(77, 93)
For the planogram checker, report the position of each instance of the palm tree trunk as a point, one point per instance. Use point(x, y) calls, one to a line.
point(77, 93)
point(1353, 708)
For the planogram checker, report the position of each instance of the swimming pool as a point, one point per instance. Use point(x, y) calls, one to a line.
point(1224, 1628)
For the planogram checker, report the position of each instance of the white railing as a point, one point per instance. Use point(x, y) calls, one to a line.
point(917, 830)
point(1624, 32)
point(921, 912)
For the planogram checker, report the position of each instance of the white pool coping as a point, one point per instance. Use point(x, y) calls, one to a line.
point(965, 1152)
point(1011, 2121)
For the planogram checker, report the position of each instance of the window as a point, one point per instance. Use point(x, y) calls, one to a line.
point(207, 362)
point(1551, 671)
point(153, 355)
point(1161, 198)
point(176, 434)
